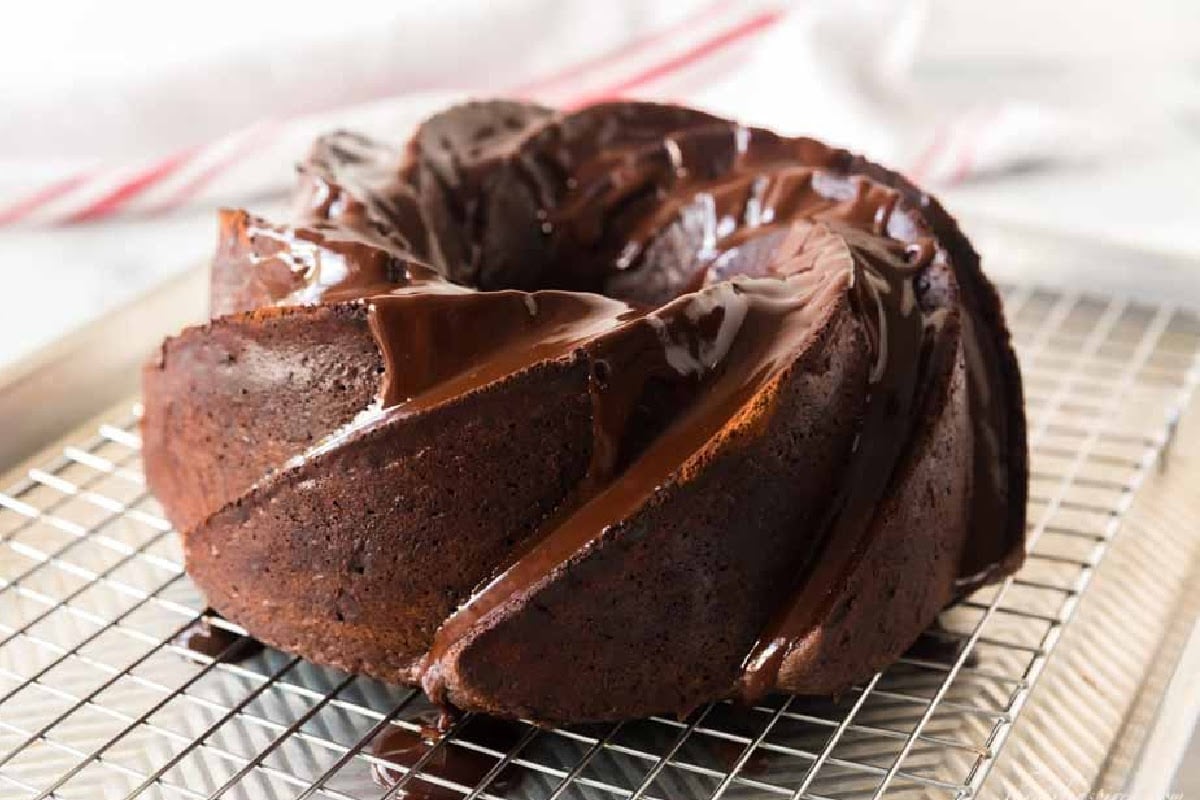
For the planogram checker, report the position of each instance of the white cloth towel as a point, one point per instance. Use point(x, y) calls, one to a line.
point(165, 106)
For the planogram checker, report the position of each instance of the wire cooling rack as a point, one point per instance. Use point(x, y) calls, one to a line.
point(97, 701)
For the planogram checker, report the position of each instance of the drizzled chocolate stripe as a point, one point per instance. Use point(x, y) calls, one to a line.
point(440, 346)
point(903, 339)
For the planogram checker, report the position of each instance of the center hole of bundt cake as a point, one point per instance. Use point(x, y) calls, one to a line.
point(645, 251)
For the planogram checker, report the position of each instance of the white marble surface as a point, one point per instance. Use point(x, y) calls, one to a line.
point(57, 280)
point(60, 279)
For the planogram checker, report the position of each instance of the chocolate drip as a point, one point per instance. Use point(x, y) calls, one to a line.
point(451, 762)
point(438, 346)
point(215, 642)
point(904, 342)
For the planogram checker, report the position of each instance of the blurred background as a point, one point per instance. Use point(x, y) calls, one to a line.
point(125, 125)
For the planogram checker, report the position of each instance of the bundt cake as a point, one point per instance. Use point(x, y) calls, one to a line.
point(585, 416)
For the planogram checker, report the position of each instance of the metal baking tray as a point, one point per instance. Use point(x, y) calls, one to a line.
point(1072, 677)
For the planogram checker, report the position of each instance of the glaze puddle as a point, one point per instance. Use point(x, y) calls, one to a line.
point(451, 761)
point(215, 642)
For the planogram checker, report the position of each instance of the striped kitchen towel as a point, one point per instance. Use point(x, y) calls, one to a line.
point(210, 117)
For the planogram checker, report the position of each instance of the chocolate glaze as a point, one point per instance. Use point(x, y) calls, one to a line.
point(216, 642)
point(405, 748)
point(718, 247)
point(356, 182)
point(438, 346)
point(318, 261)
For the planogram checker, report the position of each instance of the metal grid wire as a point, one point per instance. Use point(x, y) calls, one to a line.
point(97, 701)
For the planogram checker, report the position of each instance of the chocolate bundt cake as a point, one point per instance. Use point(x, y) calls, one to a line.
point(586, 416)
